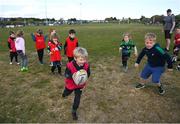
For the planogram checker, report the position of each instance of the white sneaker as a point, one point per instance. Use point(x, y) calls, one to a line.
point(17, 63)
point(174, 59)
point(10, 63)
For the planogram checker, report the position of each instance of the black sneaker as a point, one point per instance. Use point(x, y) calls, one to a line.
point(140, 86)
point(74, 116)
point(63, 95)
point(166, 50)
point(174, 59)
point(161, 90)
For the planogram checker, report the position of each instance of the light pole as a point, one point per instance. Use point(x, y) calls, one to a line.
point(80, 12)
point(46, 12)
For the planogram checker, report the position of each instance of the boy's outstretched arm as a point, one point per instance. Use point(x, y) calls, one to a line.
point(45, 37)
point(140, 56)
point(135, 51)
point(169, 61)
point(120, 49)
point(33, 37)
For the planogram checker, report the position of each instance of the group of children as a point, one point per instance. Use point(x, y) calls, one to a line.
point(77, 57)
point(156, 58)
point(16, 46)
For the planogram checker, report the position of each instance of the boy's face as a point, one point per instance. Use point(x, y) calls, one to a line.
point(126, 38)
point(53, 32)
point(178, 30)
point(72, 35)
point(12, 35)
point(80, 60)
point(149, 43)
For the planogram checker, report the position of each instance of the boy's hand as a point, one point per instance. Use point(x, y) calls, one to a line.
point(136, 54)
point(120, 49)
point(136, 65)
point(10, 50)
point(50, 53)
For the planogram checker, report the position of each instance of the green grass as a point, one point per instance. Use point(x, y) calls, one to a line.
point(35, 96)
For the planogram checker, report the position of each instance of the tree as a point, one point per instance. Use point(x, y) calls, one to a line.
point(111, 19)
point(157, 19)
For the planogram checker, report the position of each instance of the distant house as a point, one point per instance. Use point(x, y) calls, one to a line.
point(10, 26)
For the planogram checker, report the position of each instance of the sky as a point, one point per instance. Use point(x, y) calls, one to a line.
point(87, 9)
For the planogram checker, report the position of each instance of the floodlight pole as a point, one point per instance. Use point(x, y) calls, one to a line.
point(46, 12)
point(80, 12)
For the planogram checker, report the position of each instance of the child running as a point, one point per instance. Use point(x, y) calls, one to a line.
point(80, 62)
point(156, 60)
point(126, 47)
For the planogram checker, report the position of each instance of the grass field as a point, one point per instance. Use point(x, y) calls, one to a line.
point(35, 96)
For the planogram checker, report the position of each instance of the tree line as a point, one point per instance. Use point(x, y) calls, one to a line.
point(156, 19)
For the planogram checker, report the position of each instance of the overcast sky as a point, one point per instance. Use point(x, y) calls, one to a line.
point(86, 9)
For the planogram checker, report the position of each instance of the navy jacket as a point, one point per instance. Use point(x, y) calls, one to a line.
point(157, 57)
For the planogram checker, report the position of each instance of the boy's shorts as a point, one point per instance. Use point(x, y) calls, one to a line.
point(167, 34)
point(156, 73)
point(56, 63)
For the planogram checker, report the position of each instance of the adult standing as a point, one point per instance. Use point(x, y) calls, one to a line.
point(169, 24)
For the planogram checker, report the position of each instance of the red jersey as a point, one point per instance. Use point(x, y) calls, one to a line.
point(69, 81)
point(12, 44)
point(177, 39)
point(71, 45)
point(40, 42)
point(55, 50)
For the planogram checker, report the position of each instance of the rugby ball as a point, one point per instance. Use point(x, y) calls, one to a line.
point(80, 77)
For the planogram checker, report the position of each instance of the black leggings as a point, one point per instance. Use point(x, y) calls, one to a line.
point(124, 60)
point(12, 55)
point(77, 97)
point(54, 67)
point(40, 55)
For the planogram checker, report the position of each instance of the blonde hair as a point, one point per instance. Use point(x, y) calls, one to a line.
point(127, 34)
point(80, 52)
point(150, 36)
point(19, 33)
